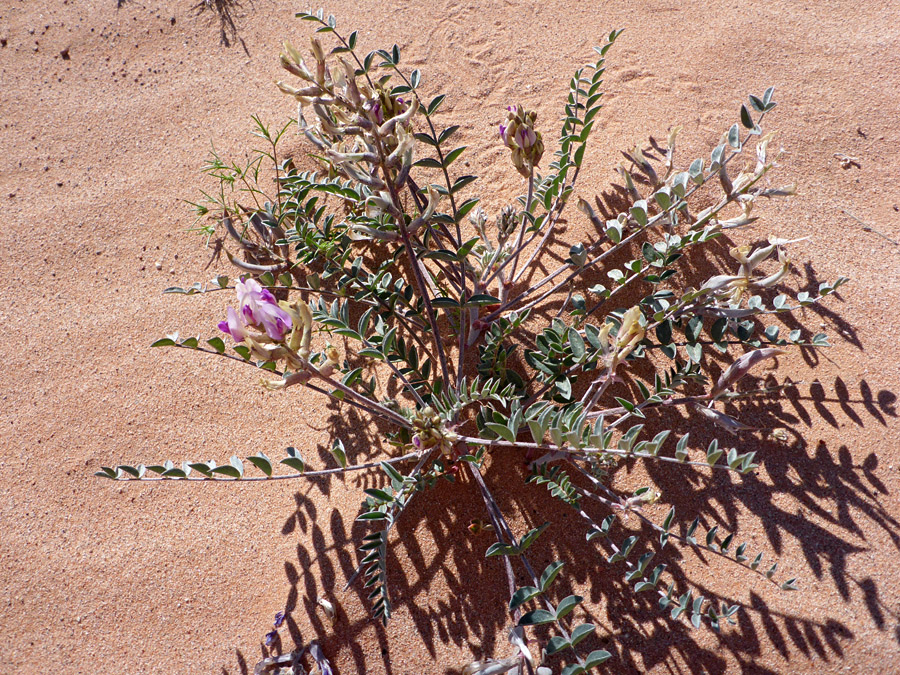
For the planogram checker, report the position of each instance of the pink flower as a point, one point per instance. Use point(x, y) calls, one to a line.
point(234, 326)
point(258, 309)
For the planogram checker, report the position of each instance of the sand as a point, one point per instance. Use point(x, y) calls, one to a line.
point(107, 115)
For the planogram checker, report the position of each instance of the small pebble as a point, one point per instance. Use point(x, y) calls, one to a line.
point(159, 264)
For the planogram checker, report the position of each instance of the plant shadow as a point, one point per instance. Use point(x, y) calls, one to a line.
point(815, 497)
point(224, 12)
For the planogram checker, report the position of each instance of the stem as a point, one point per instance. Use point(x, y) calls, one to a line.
point(500, 525)
point(414, 263)
point(583, 453)
point(395, 511)
point(398, 419)
point(366, 406)
point(651, 222)
point(518, 251)
point(305, 474)
point(462, 268)
point(498, 530)
point(683, 540)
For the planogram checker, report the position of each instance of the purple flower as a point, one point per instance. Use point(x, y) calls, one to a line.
point(279, 619)
point(259, 308)
point(270, 637)
point(233, 326)
point(525, 137)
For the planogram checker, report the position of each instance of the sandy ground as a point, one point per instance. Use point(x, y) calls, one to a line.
point(107, 114)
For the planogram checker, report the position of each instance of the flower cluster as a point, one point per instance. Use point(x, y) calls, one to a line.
point(519, 136)
point(733, 287)
point(358, 125)
point(284, 333)
point(259, 310)
point(629, 335)
point(430, 431)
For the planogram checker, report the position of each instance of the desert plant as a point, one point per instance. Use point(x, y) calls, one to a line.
point(382, 256)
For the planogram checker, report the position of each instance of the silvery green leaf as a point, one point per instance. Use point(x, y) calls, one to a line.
point(556, 644)
point(395, 476)
point(732, 458)
point(614, 231)
point(576, 342)
point(379, 495)
point(694, 351)
point(537, 431)
point(746, 119)
point(217, 343)
point(227, 470)
point(667, 523)
point(499, 548)
point(639, 212)
point(373, 515)
point(261, 462)
point(734, 137)
point(580, 632)
point(337, 450)
point(521, 596)
point(549, 575)
point(537, 617)
point(567, 604)
point(294, 460)
point(692, 528)
point(663, 197)
point(596, 657)
point(572, 669)
point(627, 441)
point(657, 442)
point(202, 468)
point(502, 431)
point(529, 538)
point(713, 452)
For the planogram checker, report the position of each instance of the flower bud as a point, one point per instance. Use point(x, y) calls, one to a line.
point(525, 144)
point(507, 222)
point(317, 50)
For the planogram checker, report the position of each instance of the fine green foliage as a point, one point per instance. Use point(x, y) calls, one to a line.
point(378, 271)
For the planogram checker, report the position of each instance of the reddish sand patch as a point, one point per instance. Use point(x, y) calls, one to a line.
point(107, 115)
